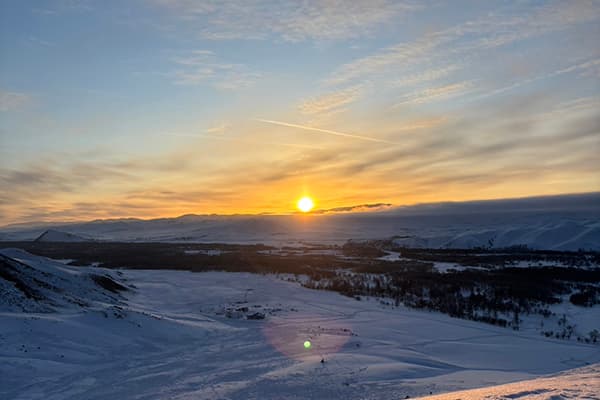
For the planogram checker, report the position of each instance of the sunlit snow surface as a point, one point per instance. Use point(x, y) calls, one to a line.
point(183, 335)
point(580, 383)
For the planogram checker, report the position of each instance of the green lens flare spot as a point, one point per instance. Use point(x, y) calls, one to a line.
point(307, 344)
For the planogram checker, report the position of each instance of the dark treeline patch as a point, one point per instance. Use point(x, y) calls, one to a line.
point(586, 296)
point(135, 255)
point(500, 257)
point(371, 249)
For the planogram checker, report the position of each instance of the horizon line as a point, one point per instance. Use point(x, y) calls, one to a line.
point(319, 212)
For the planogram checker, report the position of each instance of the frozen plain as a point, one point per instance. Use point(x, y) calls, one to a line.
point(183, 335)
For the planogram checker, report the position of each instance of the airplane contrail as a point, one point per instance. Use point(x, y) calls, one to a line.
point(229, 139)
point(328, 131)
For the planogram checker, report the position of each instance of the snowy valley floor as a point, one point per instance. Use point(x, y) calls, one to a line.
point(183, 335)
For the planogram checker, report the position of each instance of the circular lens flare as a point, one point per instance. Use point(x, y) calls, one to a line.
point(305, 204)
point(290, 335)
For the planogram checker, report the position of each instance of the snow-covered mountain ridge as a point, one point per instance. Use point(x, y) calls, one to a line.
point(568, 222)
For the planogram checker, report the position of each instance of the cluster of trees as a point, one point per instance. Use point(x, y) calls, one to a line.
point(586, 296)
point(502, 257)
point(498, 296)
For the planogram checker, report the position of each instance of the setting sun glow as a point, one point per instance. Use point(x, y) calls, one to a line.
point(305, 204)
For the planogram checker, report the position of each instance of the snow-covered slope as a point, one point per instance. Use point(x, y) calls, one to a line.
point(550, 223)
point(580, 383)
point(37, 284)
point(183, 335)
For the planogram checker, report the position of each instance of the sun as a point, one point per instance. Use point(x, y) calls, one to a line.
point(305, 204)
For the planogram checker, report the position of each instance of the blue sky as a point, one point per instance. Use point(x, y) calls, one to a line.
point(163, 107)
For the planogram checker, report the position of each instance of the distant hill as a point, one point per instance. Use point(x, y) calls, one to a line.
point(52, 235)
point(565, 222)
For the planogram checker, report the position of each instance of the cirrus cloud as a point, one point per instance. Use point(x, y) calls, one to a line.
point(290, 21)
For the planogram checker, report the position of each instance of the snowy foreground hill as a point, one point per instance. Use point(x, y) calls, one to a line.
point(568, 222)
point(89, 333)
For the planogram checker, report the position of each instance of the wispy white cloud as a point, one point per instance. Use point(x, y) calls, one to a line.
point(10, 101)
point(437, 93)
point(487, 32)
point(331, 103)
point(291, 21)
point(403, 54)
point(204, 67)
point(428, 75)
point(63, 7)
point(44, 11)
point(209, 135)
point(587, 67)
point(218, 127)
point(500, 29)
point(41, 42)
point(437, 55)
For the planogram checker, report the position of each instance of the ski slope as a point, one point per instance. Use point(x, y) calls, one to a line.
point(183, 335)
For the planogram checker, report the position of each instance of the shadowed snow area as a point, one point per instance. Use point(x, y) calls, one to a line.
point(184, 335)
